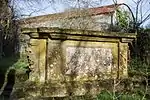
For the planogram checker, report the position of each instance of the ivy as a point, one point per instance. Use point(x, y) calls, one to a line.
point(123, 19)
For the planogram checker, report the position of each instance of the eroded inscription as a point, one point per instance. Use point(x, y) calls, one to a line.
point(88, 61)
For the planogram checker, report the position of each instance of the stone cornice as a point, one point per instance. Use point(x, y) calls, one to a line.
point(59, 33)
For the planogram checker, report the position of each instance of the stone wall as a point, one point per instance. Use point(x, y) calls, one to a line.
point(85, 21)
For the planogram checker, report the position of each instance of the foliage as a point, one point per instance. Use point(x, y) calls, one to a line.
point(7, 62)
point(141, 53)
point(21, 63)
point(123, 20)
point(14, 62)
point(143, 42)
point(139, 72)
point(8, 30)
point(138, 65)
point(122, 17)
point(106, 95)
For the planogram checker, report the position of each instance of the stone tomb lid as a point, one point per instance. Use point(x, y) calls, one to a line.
point(59, 33)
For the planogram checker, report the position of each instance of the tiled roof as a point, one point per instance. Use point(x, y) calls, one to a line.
point(104, 9)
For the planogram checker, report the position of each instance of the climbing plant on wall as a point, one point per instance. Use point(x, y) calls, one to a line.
point(123, 20)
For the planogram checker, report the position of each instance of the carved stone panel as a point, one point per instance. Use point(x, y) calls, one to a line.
point(37, 55)
point(88, 62)
point(54, 61)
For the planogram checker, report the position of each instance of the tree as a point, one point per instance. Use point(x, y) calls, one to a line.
point(4, 17)
point(9, 27)
point(139, 13)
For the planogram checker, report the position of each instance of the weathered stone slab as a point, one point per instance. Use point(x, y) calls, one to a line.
point(83, 60)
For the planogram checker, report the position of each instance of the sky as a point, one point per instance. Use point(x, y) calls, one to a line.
point(29, 9)
point(32, 8)
point(41, 8)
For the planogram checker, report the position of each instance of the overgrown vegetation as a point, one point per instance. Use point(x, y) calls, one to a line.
point(16, 62)
point(139, 69)
point(106, 95)
point(123, 20)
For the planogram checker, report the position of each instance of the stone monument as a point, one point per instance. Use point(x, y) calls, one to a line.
point(66, 62)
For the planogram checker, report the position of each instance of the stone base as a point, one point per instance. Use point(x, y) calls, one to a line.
point(34, 91)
